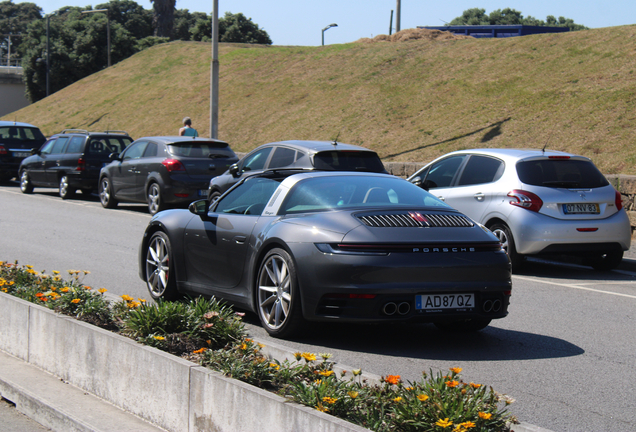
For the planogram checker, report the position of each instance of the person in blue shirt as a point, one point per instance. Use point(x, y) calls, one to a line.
point(187, 129)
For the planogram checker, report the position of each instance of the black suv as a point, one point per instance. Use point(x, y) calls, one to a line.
point(316, 155)
point(16, 142)
point(71, 160)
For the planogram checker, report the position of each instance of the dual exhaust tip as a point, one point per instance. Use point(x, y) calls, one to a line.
point(404, 308)
point(392, 308)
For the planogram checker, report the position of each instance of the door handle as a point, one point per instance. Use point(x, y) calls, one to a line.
point(240, 239)
point(479, 196)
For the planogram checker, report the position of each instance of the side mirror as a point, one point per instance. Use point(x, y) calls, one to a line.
point(113, 156)
point(234, 169)
point(417, 181)
point(199, 208)
point(35, 151)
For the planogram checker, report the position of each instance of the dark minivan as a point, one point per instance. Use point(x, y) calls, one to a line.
point(164, 171)
point(16, 142)
point(71, 160)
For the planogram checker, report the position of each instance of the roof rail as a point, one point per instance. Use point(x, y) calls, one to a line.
point(84, 131)
point(116, 132)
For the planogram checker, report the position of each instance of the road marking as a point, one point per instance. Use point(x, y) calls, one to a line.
point(574, 286)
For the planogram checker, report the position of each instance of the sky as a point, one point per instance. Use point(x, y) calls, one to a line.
point(300, 22)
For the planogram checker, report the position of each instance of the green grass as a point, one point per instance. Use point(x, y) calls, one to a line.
point(409, 101)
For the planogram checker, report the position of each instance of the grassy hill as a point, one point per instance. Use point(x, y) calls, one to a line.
point(410, 101)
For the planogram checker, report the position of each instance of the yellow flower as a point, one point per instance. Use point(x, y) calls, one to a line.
point(322, 408)
point(422, 397)
point(127, 298)
point(326, 373)
point(456, 370)
point(452, 384)
point(484, 416)
point(467, 425)
point(133, 304)
point(308, 356)
point(260, 345)
point(298, 356)
point(141, 300)
point(398, 399)
point(356, 372)
point(29, 266)
point(4, 290)
point(159, 338)
point(329, 400)
point(55, 272)
point(353, 394)
point(318, 382)
point(325, 356)
point(102, 290)
point(75, 301)
point(408, 388)
point(57, 278)
point(274, 365)
point(86, 272)
point(243, 346)
point(444, 423)
point(65, 289)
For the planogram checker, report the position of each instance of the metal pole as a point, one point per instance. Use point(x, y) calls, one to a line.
point(398, 15)
point(48, 58)
point(214, 78)
point(323, 37)
point(391, 23)
point(108, 35)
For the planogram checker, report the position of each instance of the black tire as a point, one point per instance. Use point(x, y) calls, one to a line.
point(504, 235)
point(26, 186)
point(463, 326)
point(106, 194)
point(278, 295)
point(160, 277)
point(605, 261)
point(155, 201)
point(213, 196)
point(66, 190)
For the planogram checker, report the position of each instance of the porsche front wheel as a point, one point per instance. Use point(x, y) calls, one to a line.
point(160, 276)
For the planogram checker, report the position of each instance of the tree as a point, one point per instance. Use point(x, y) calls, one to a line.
point(507, 16)
point(184, 21)
point(163, 17)
point(131, 16)
point(14, 20)
point(232, 28)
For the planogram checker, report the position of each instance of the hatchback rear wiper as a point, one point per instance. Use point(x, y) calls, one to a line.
point(561, 183)
point(215, 156)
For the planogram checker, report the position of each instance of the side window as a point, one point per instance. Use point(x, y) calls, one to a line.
point(249, 198)
point(480, 170)
point(135, 150)
point(256, 161)
point(443, 172)
point(59, 145)
point(46, 148)
point(282, 157)
point(75, 145)
point(151, 150)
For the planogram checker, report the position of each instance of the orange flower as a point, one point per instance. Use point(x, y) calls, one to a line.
point(484, 416)
point(102, 290)
point(452, 384)
point(392, 379)
point(75, 301)
point(456, 370)
point(200, 351)
point(422, 397)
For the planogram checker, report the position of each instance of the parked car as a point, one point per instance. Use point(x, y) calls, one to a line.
point(16, 142)
point(163, 171)
point(71, 160)
point(536, 202)
point(325, 246)
point(320, 155)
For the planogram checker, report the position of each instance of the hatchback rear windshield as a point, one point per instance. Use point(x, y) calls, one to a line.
point(201, 149)
point(19, 133)
point(348, 161)
point(563, 173)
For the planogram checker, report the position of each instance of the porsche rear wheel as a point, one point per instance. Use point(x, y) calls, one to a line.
point(160, 277)
point(278, 295)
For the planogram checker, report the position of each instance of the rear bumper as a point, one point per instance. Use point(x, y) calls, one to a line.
point(536, 234)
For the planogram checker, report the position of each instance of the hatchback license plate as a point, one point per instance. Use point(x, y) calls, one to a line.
point(581, 208)
point(203, 192)
point(444, 301)
point(21, 154)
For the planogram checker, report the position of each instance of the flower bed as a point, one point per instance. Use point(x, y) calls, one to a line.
point(211, 334)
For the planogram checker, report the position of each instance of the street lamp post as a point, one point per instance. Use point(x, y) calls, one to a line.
point(327, 28)
point(107, 28)
point(214, 73)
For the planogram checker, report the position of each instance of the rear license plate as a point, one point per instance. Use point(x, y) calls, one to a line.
point(21, 154)
point(444, 301)
point(203, 192)
point(582, 208)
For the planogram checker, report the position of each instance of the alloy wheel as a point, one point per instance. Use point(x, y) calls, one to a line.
point(274, 291)
point(157, 266)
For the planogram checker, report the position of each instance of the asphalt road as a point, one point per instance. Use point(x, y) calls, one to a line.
point(565, 352)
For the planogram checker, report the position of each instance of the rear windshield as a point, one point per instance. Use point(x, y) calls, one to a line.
point(201, 150)
point(104, 146)
point(348, 161)
point(561, 173)
point(20, 133)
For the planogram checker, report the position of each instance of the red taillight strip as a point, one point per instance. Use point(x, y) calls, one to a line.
point(618, 200)
point(587, 229)
point(412, 247)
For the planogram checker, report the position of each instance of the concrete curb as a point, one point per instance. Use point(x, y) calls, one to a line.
point(103, 382)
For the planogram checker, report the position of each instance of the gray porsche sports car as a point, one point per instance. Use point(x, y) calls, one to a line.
point(297, 246)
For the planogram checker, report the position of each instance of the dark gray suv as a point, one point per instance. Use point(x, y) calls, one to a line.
point(317, 155)
point(71, 160)
point(16, 142)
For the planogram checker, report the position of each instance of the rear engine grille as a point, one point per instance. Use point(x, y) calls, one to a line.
point(414, 219)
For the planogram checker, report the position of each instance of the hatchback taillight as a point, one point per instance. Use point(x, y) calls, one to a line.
point(618, 200)
point(173, 165)
point(3, 151)
point(81, 165)
point(525, 199)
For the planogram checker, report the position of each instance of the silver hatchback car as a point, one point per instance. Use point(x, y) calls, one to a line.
point(536, 202)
